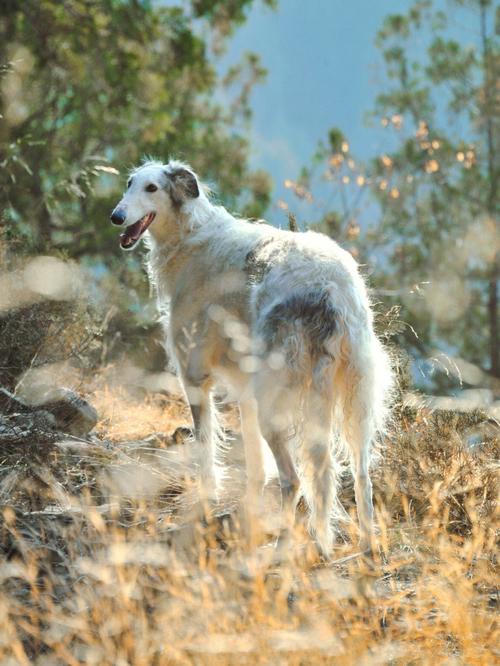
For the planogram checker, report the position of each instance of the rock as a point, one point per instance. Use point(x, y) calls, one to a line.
point(39, 426)
point(67, 411)
point(73, 414)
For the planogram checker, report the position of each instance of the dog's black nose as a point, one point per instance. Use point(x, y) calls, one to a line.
point(118, 216)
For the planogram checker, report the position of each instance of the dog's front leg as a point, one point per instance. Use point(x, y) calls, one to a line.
point(198, 386)
point(206, 435)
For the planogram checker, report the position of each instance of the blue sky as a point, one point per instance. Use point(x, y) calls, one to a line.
point(323, 71)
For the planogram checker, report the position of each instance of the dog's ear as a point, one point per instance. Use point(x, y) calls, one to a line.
point(183, 185)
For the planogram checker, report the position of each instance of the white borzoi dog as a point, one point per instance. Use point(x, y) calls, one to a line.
point(284, 320)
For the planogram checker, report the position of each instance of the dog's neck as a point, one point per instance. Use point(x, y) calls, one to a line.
point(167, 245)
point(193, 215)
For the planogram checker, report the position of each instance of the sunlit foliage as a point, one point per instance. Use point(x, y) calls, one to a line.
point(433, 230)
point(90, 88)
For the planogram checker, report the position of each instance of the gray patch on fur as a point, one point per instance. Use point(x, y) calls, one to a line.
point(312, 310)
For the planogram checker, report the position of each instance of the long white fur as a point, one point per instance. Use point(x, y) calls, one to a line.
point(331, 401)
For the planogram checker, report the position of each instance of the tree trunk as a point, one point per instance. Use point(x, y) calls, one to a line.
point(489, 111)
point(493, 319)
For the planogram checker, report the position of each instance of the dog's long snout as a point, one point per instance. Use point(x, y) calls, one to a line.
point(118, 216)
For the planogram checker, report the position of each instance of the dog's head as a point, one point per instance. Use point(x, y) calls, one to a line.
point(155, 196)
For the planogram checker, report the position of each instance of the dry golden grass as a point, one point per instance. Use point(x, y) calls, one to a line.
point(95, 572)
point(124, 417)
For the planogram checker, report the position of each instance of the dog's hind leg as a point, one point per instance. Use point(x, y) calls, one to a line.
point(317, 467)
point(289, 481)
point(278, 404)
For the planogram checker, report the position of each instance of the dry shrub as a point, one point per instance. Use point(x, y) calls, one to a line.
point(40, 334)
point(54, 315)
point(98, 573)
point(45, 316)
point(431, 460)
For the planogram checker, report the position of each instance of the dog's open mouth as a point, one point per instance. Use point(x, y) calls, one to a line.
point(132, 233)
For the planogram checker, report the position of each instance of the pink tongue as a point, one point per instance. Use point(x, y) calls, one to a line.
point(131, 234)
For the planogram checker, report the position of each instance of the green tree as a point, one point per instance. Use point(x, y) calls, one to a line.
point(91, 85)
point(436, 186)
point(438, 189)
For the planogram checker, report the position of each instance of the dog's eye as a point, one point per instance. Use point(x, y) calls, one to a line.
point(151, 188)
point(129, 183)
